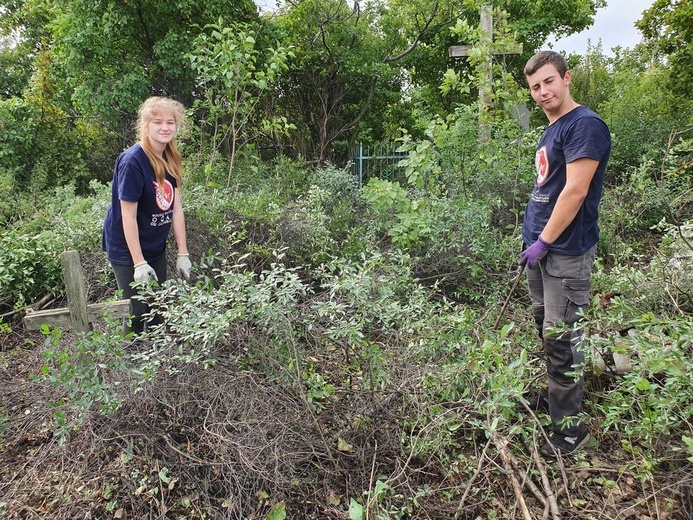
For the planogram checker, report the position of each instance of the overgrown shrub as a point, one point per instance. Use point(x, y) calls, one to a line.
point(30, 248)
point(29, 267)
point(459, 202)
point(651, 404)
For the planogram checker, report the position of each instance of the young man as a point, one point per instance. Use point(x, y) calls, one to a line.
point(560, 236)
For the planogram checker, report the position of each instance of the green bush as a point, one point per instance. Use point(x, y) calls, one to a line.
point(650, 406)
point(31, 246)
point(637, 108)
point(29, 267)
point(458, 212)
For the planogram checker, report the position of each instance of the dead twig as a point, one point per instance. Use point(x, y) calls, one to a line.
point(370, 486)
point(529, 482)
point(546, 439)
point(510, 294)
point(48, 298)
point(501, 445)
point(477, 471)
point(548, 490)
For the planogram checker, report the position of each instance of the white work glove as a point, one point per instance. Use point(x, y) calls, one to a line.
point(143, 272)
point(183, 265)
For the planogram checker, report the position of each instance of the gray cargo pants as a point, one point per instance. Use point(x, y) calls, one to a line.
point(559, 287)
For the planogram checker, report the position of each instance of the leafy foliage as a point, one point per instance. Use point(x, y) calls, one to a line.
point(28, 266)
point(226, 64)
point(115, 53)
point(592, 81)
point(29, 252)
point(668, 23)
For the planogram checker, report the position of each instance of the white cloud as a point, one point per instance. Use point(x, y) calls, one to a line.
point(614, 26)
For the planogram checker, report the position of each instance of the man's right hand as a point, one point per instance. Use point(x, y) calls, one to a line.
point(143, 272)
point(534, 253)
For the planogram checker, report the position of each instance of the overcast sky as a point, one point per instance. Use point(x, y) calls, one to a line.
point(614, 25)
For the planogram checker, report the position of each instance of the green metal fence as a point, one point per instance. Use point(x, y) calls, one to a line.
point(378, 160)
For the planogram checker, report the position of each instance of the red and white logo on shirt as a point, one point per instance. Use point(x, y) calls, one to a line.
point(164, 195)
point(541, 161)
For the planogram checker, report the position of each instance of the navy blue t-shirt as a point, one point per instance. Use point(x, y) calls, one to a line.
point(134, 181)
point(579, 134)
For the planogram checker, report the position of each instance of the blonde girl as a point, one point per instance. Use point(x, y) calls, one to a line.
point(146, 205)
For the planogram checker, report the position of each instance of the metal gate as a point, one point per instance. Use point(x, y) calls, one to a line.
point(375, 161)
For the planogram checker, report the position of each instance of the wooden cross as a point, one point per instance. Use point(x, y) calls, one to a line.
point(458, 51)
point(79, 315)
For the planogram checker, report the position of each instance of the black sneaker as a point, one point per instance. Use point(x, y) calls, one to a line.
point(563, 444)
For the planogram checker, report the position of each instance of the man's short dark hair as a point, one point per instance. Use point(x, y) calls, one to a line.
point(542, 58)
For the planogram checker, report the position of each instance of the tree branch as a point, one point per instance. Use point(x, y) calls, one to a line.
point(422, 32)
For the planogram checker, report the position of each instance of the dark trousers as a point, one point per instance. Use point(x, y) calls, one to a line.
point(559, 287)
point(125, 275)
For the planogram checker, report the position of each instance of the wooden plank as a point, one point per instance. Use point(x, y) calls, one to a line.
point(73, 276)
point(460, 51)
point(60, 318)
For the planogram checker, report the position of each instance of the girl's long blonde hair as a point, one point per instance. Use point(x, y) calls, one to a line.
point(171, 159)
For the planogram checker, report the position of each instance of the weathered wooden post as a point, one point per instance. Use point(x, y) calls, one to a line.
point(486, 73)
point(73, 277)
point(79, 315)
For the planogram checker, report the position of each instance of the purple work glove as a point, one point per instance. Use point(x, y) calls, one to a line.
point(534, 253)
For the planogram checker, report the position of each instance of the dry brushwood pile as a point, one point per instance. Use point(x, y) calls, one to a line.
point(228, 443)
point(237, 440)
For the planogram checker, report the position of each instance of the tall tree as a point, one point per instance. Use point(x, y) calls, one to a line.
point(531, 23)
point(669, 25)
point(114, 53)
point(337, 68)
point(22, 35)
point(356, 60)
